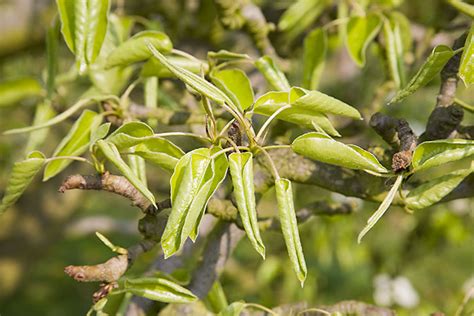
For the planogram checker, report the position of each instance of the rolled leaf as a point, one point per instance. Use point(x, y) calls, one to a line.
point(195, 178)
point(382, 208)
point(435, 190)
point(430, 69)
point(21, 176)
point(14, 91)
point(159, 289)
point(111, 152)
point(241, 170)
point(159, 151)
point(394, 51)
point(466, 68)
point(289, 227)
point(154, 68)
point(74, 144)
point(84, 25)
point(315, 48)
point(275, 77)
point(361, 31)
point(434, 153)
point(135, 49)
point(193, 80)
point(323, 148)
point(226, 55)
point(236, 85)
point(130, 134)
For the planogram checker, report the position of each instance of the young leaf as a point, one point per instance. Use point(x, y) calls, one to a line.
point(111, 153)
point(403, 23)
point(320, 102)
point(14, 91)
point(236, 85)
point(435, 190)
point(110, 245)
point(289, 227)
point(394, 51)
point(138, 166)
point(193, 80)
point(74, 144)
point(361, 31)
point(430, 68)
point(226, 55)
point(154, 68)
point(271, 102)
point(323, 148)
point(315, 48)
point(195, 178)
point(466, 69)
point(130, 134)
point(44, 111)
point(241, 170)
point(84, 24)
point(135, 49)
point(434, 153)
point(272, 73)
point(21, 176)
point(159, 151)
point(159, 289)
point(382, 208)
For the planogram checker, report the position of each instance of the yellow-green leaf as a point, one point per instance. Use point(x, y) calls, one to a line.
point(159, 289)
point(361, 31)
point(466, 68)
point(434, 153)
point(275, 77)
point(314, 55)
point(236, 85)
point(14, 91)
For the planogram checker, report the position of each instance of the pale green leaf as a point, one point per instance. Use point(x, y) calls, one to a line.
point(394, 51)
point(361, 31)
point(434, 153)
point(466, 68)
point(234, 309)
point(430, 68)
point(226, 55)
point(320, 102)
point(463, 7)
point(153, 67)
point(289, 227)
point(21, 176)
point(159, 151)
point(314, 55)
point(323, 148)
point(44, 111)
point(275, 77)
point(130, 134)
point(236, 85)
point(13, 91)
point(135, 49)
point(159, 289)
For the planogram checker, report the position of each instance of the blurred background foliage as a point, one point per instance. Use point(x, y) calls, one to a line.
point(416, 264)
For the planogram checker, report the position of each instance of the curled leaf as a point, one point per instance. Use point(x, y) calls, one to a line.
point(159, 289)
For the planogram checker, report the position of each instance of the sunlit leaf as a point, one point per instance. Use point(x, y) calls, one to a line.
point(315, 48)
point(463, 7)
point(320, 102)
point(153, 67)
point(394, 51)
point(75, 143)
point(275, 77)
point(159, 151)
point(430, 68)
point(466, 68)
point(130, 134)
point(323, 148)
point(21, 176)
point(289, 227)
point(135, 49)
point(236, 85)
point(226, 55)
point(434, 153)
point(361, 31)
point(241, 170)
point(159, 289)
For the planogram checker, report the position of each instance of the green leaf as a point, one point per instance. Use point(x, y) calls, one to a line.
point(159, 289)
point(21, 176)
point(382, 208)
point(111, 152)
point(138, 166)
point(430, 68)
point(270, 102)
point(226, 55)
point(74, 144)
point(318, 146)
point(435, 190)
point(99, 132)
point(403, 23)
point(361, 31)
point(394, 51)
point(241, 170)
point(320, 102)
point(84, 25)
point(300, 15)
point(315, 49)
point(60, 117)
point(52, 38)
point(159, 151)
point(154, 68)
point(14, 91)
point(135, 49)
point(463, 7)
point(130, 134)
point(195, 178)
point(194, 81)
point(236, 85)
point(44, 111)
point(110, 245)
point(272, 73)
point(434, 153)
point(466, 69)
point(234, 309)
point(289, 227)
